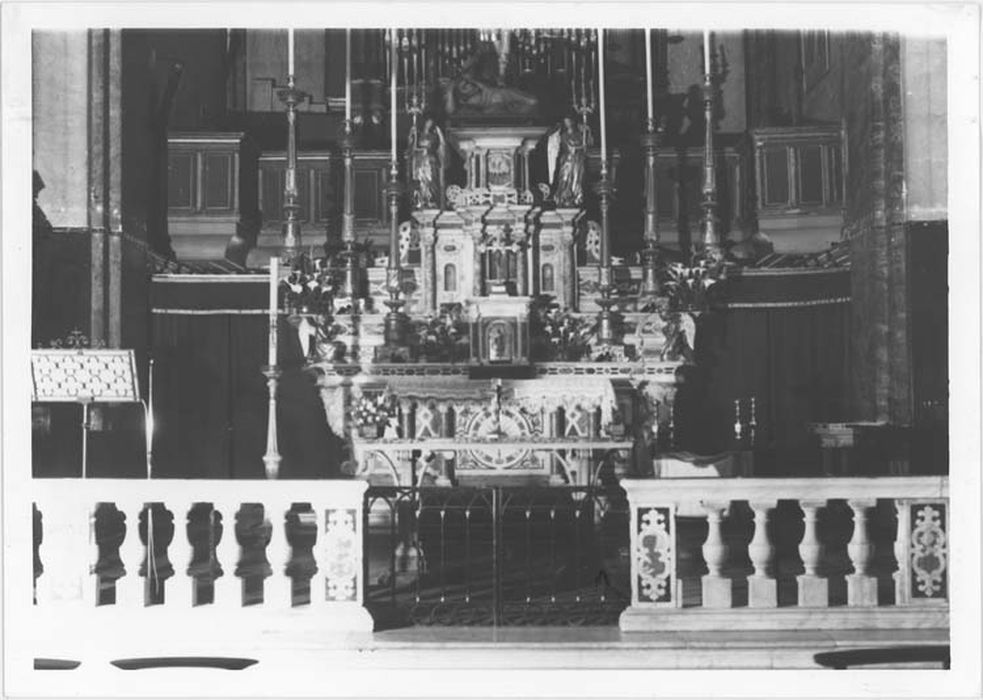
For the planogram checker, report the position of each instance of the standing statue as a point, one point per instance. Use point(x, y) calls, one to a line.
point(567, 153)
point(426, 156)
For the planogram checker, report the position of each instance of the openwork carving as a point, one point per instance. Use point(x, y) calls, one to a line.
point(654, 555)
point(65, 375)
point(481, 197)
point(592, 241)
point(928, 551)
point(341, 551)
point(409, 240)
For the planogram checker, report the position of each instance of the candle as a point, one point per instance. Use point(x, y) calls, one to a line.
point(274, 284)
point(392, 92)
point(348, 75)
point(600, 85)
point(648, 71)
point(290, 52)
point(706, 52)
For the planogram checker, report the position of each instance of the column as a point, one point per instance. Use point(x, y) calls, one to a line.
point(762, 586)
point(860, 585)
point(813, 589)
point(405, 417)
point(716, 588)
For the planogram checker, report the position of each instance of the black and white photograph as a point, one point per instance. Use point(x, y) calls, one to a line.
point(463, 349)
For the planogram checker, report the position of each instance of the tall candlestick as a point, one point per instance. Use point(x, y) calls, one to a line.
point(648, 72)
point(393, 62)
point(600, 86)
point(348, 75)
point(290, 52)
point(706, 51)
point(274, 284)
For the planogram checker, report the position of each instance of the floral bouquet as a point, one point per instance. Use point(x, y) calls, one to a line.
point(369, 413)
point(688, 288)
point(309, 288)
point(687, 295)
point(441, 335)
point(563, 335)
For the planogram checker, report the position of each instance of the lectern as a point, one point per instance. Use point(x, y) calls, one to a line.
point(85, 377)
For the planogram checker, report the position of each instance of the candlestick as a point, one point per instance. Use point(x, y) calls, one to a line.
point(348, 75)
point(600, 84)
point(648, 73)
point(392, 94)
point(274, 305)
point(290, 52)
point(706, 51)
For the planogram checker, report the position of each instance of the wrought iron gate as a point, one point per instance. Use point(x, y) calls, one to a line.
point(496, 555)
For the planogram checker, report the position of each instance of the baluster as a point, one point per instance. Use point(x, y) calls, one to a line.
point(42, 583)
point(316, 517)
point(902, 588)
point(181, 587)
point(278, 594)
point(813, 589)
point(89, 554)
point(228, 587)
point(762, 586)
point(861, 587)
point(131, 590)
point(716, 588)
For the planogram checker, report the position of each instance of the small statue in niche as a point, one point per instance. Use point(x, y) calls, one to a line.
point(497, 342)
point(567, 153)
point(478, 89)
point(426, 156)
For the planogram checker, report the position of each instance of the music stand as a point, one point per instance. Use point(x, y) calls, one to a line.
point(84, 376)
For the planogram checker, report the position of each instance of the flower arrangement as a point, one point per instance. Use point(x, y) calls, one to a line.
point(687, 288)
point(561, 335)
point(443, 336)
point(371, 412)
point(309, 288)
point(687, 294)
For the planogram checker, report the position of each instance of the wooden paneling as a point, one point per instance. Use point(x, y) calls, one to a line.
point(211, 187)
point(799, 170)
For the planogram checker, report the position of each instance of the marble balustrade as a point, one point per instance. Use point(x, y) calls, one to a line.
point(832, 553)
point(156, 603)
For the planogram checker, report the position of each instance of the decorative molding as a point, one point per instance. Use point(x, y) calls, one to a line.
point(785, 304)
point(928, 551)
point(342, 551)
point(654, 554)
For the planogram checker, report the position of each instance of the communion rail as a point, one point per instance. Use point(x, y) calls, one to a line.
point(167, 580)
point(782, 554)
point(131, 568)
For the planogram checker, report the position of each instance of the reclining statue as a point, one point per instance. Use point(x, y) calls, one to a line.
point(478, 90)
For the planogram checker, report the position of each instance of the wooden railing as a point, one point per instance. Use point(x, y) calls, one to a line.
point(848, 534)
point(203, 607)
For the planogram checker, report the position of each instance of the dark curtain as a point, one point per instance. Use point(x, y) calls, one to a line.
point(210, 401)
point(793, 361)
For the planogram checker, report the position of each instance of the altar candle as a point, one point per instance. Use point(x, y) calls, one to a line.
point(648, 71)
point(600, 87)
point(290, 52)
point(706, 52)
point(274, 284)
point(348, 75)
point(392, 93)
